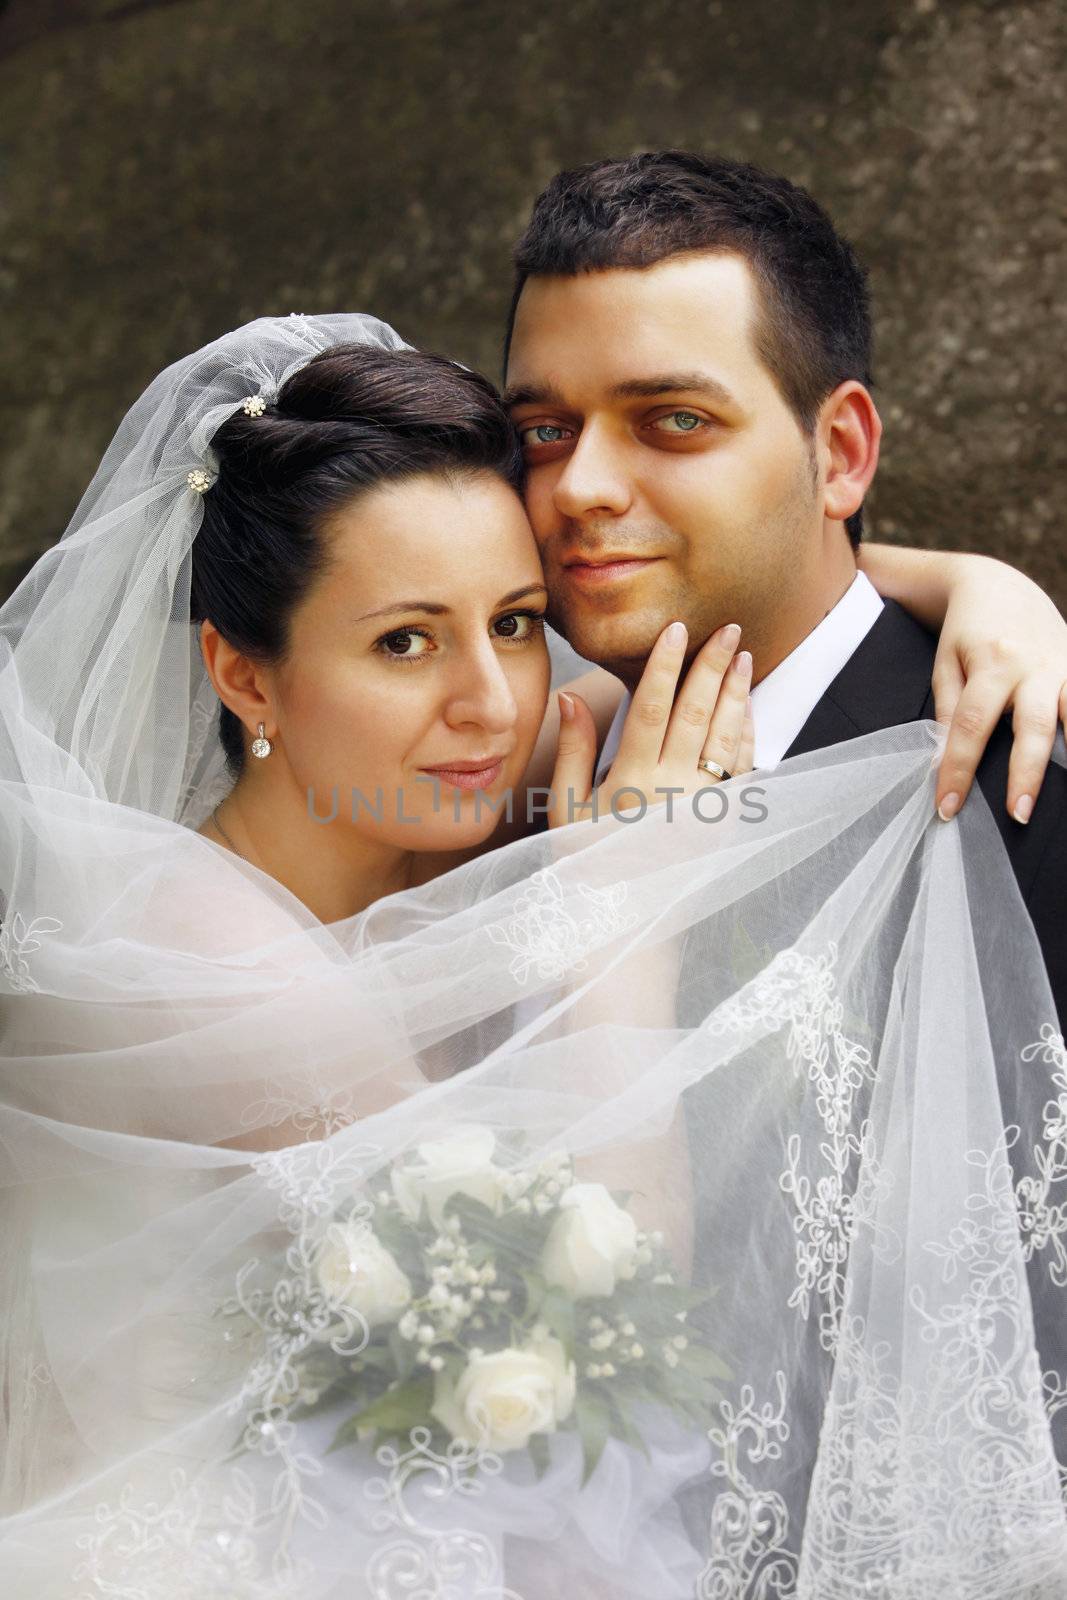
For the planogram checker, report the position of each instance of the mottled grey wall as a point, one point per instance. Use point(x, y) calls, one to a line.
point(175, 167)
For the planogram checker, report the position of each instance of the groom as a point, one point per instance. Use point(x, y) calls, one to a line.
point(688, 362)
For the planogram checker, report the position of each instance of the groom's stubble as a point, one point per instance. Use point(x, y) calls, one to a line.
point(618, 631)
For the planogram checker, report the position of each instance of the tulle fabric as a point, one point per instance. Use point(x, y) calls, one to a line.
point(813, 1039)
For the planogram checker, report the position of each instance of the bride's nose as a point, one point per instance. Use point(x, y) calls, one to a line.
point(480, 693)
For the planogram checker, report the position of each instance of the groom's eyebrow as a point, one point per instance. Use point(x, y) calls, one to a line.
point(435, 609)
point(532, 394)
point(674, 383)
point(546, 394)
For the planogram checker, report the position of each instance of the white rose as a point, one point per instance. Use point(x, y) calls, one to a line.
point(592, 1243)
point(355, 1269)
point(457, 1164)
point(504, 1397)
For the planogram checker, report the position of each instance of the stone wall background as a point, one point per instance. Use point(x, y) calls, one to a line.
point(172, 168)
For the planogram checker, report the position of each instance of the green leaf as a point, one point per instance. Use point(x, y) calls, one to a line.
point(593, 1416)
point(396, 1411)
point(746, 957)
point(625, 1428)
point(516, 1239)
point(403, 1354)
point(699, 1359)
point(557, 1311)
point(536, 1289)
point(539, 1453)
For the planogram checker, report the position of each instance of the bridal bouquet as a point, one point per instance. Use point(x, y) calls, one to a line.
point(497, 1306)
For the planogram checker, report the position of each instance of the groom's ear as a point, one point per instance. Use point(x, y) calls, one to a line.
point(848, 433)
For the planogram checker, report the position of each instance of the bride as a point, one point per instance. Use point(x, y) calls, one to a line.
point(402, 1200)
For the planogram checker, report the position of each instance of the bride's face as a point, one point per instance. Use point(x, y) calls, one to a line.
point(417, 672)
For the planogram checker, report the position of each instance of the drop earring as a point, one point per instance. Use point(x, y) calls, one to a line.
point(262, 746)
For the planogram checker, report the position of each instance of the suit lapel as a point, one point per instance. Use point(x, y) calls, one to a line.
point(885, 682)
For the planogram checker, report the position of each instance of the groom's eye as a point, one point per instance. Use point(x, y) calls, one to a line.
point(679, 422)
point(542, 433)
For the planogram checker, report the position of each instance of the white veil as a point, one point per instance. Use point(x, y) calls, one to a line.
point(725, 1161)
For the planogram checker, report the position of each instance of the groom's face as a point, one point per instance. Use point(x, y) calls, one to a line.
point(668, 478)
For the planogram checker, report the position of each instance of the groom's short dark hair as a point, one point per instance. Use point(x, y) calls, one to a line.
point(815, 329)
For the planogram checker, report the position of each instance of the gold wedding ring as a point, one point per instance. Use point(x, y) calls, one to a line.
point(714, 769)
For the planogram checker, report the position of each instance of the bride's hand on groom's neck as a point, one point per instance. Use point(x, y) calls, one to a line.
point(680, 734)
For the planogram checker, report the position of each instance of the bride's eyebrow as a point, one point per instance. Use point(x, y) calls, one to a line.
point(434, 609)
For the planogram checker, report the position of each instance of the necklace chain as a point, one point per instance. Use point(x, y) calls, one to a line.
point(225, 835)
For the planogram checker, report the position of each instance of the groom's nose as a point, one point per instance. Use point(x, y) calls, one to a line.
point(593, 481)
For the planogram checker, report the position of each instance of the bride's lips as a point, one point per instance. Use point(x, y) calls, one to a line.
point(468, 774)
point(606, 569)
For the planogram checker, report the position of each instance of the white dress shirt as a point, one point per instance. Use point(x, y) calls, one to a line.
point(783, 701)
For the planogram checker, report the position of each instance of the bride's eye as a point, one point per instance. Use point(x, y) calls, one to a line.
point(395, 645)
point(519, 626)
point(679, 422)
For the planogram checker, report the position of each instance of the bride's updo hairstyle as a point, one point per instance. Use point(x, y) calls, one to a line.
point(354, 417)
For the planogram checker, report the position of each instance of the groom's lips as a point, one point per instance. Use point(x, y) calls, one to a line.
point(605, 569)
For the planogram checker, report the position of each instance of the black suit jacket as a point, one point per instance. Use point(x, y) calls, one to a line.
point(887, 682)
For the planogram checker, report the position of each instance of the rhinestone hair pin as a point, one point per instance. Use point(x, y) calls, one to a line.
point(254, 406)
point(199, 480)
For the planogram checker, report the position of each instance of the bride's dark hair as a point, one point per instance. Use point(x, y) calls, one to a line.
point(352, 418)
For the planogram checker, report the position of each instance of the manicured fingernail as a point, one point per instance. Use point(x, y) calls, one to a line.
point(729, 636)
point(566, 706)
point(743, 661)
point(1024, 808)
point(677, 634)
point(948, 807)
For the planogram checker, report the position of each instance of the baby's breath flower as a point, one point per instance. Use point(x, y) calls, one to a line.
point(680, 1342)
point(637, 1351)
point(523, 1206)
point(670, 1356)
point(426, 1334)
point(437, 1363)
point(607, 1370)
point(627, 1329)
point(592, 1370)
point(423, 1357)
point(477, 1293)
point(500, 1297)
point(663, 1277)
